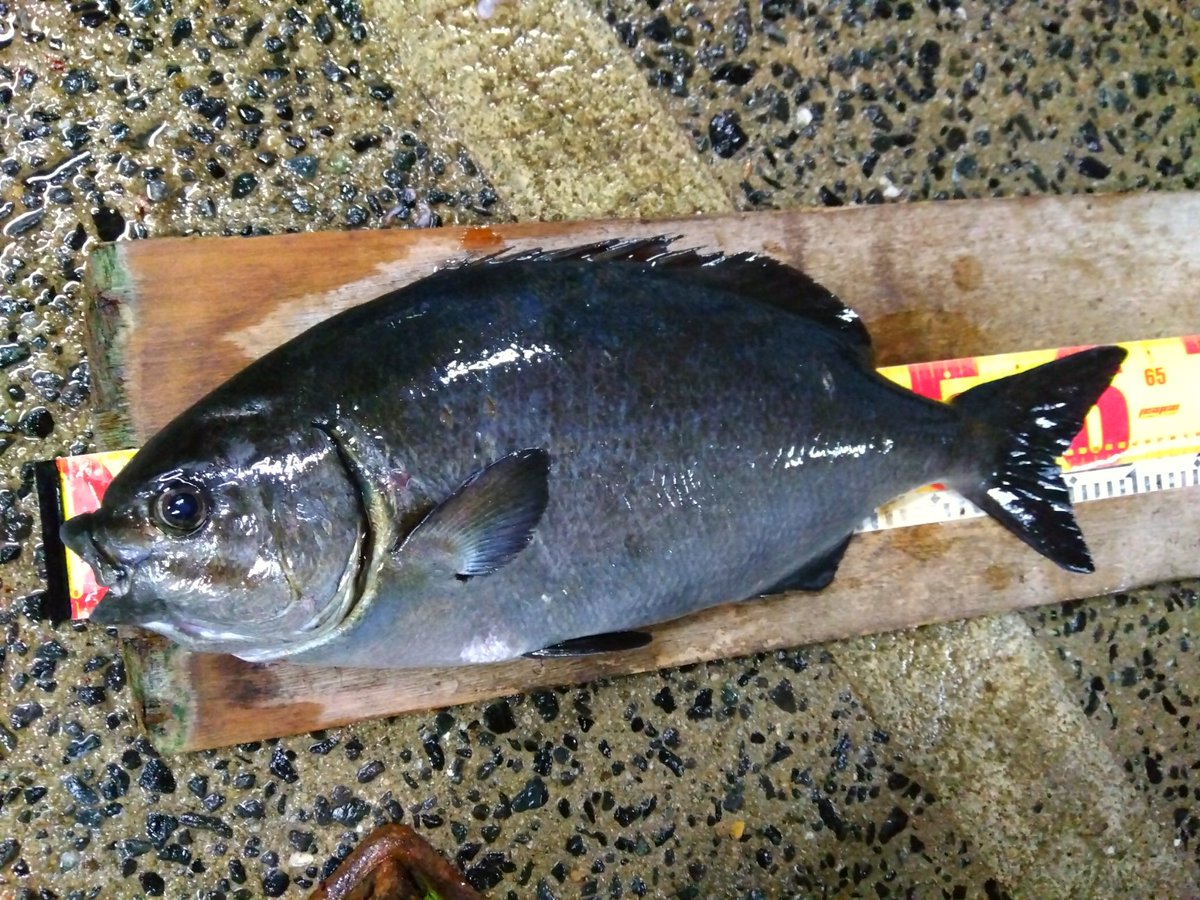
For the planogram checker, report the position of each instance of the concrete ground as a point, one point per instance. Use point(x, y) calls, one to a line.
point(1047, 754)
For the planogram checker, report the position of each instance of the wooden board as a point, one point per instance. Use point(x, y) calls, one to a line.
point(172, 318)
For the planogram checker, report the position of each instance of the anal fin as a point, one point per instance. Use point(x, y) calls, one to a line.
point(609, 642)
point(814, 575)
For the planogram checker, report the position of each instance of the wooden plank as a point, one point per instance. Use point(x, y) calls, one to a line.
point(889, 580)
point(172, 318)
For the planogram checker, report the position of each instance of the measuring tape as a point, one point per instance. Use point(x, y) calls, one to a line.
point(1142, 435)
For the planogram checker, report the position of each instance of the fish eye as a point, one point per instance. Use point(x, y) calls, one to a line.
point(181, 507)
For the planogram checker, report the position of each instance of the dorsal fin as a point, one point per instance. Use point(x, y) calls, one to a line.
point(751, 275)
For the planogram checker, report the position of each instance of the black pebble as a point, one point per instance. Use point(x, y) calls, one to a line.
point(546, 704)
point(115, 782)
point(80, 792)
point(152, 884)
point(281, 766)
point(733, 73)
point(83, 746)
point(1091, 167)
point(322, 747)
point(382, 92)
point(244, 185)
point(110, 224)
point(664, 700)
point(275, 882)
point(658, 29)
point(181, 31)
point(828, 197)
point(175, 853)
point(23, 714)
point(251, 115)
point(25, 222)
point(250, 809)
point(702, 706)
point(488, 872)
point(10, 354)
point(895, 822)
point(215, 110)
point(351, 812)
point(671, 761)
point(133, 847)
point(363, 142)
point(237, 872)
point(48, 384)
point(370, 771)
point(205, 823)
point(79, 81)
point(533, 796)
point(157, 777)
point(725, 133)
point(783, 697)
point(323, 28)
point(301, 840)
point(498, 718)
point(160, 827)
point(114, 675)
point(437, 758)
point(198, 785)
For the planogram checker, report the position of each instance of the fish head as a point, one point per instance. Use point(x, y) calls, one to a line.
point(223, 544)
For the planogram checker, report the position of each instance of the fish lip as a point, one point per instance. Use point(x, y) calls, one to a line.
point(78, 535)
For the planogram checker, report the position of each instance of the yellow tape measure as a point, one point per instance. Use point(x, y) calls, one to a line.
point(1142, 435)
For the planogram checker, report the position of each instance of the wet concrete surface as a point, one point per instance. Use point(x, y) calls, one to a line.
point(1044, 754)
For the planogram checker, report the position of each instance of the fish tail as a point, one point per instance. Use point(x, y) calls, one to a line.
point(1027, 421)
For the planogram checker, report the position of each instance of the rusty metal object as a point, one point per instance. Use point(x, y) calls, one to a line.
point(395, 863)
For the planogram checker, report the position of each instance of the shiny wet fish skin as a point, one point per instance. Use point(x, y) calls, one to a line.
point(516, 453)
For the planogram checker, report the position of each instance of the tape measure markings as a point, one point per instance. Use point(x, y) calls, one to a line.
point(930, 507)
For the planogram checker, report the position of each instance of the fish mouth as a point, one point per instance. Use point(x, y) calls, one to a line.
point(79, 536)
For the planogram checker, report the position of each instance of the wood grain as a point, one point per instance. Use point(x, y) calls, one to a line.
point(888, 581)
point(173, 318)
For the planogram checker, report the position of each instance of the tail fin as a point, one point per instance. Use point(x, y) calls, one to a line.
point(1030, 419)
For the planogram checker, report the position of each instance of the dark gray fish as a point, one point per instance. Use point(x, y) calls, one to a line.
point(552, 451)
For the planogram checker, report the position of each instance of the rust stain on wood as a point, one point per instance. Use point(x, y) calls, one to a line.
point(481, 238)
point(923, 542)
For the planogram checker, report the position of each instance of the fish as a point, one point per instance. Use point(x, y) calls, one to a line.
point(547, 452)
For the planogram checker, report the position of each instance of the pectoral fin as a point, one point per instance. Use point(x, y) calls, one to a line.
point(484, 524)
